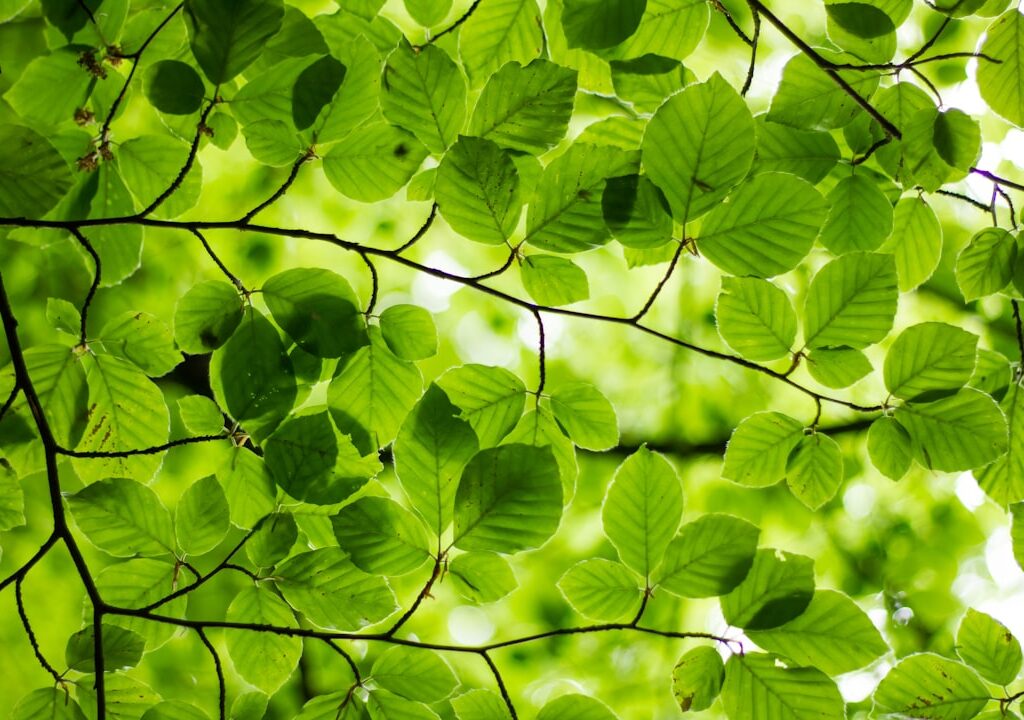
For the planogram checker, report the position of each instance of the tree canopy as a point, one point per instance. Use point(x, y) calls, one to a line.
point(555, 359)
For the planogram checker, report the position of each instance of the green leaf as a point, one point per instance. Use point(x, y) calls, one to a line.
point(860, 216)
point(206, 317)
point(598, 24)
point(940, 146)
point(358, 97)
point(331, 592)
point(372, 393)
point(373, 162)
point(1001, 82)
point(381, 536)
point(143, 340)
point(409, 332)
point(525, 108)
point(926, 685)
point(958, 432)
point(602, 590)
point(814, 470)
point(635, 210)
point(123, 518)
point(764, 228)
point(698, 145)
point(991, 372)
point(566, 212)
point(646, 81)
point(697, 679)
point(433, 446)
point(122, 649)
point(312, 462)
point(150, 164)
point(837, 367)
point(810, 154)
point(272, 540)
point(480, 704)
point(425, 93)
point(318, 309)
point(539, 427)
point(248, 487)
point(985, 265)
point(387, 706)
point(127, 698)
point(808, 98)
point(314, 88)
point(586, 415)
point(851, 301)
point(136, 584)
point(200, 415)
point(415, 673)
point(832, 634)
point(554, 281)
point(709, 557)
point(174, 710)
point(778, 588)
point(201, 519)
point(477, 190)
point(509, 499)
point(890, 447)
point(12, 500)
point(757, 451)
point(340, 705)
point(861, 19)
point(59, 379)
point(482, 577)
point(47, 94)
point(915, 243)
point(263, 659)
point(929, 356)
point(577, 707)
point(1003, 479)
point(758, 687)
point(33, 175)
point(985, 644)
point(756, 318)
point(670, 28)
point(428, 12)
point(50, 703)
point(174, 87)
point(63, 316)
point(501, 31)
point(253, 377)
point(642, 510)
point(226, 39)
point(491, 399)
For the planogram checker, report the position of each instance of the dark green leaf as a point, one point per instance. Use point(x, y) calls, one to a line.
point(226, 39)
point(174, 87)
point(777, 589)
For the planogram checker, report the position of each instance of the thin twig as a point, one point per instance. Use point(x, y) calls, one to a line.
point(94, 286)
point(279, 193)
point(419, 233)
point(374, 284)
point(755, 39)
point(541, 354)
point(19, 600)
point(153, 450)
point(501, 684)
point(423, 593)
point(189, 161)
point(454, 26)
point(661, 284)
point(223, 268)
point(222, 694)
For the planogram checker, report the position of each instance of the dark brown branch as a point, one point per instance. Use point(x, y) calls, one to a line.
point(223, 268)
point(374, 284)
point(1020, 330)
point(28, 564)
point(222, 693)
point(27, 625)
point(419, 233)
point(754, 41)
point(9, 401)
point(724, 11)
point(134, 57)
point(501, 684)
point(348, 659)
point(661, 283)
point(964, 198)
point(94, 286)
point(279, 193)
point(423, 593)
point(454, 26)
point(541, 354)
point(472, 282)
point(154, 450)
point(189, 161)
